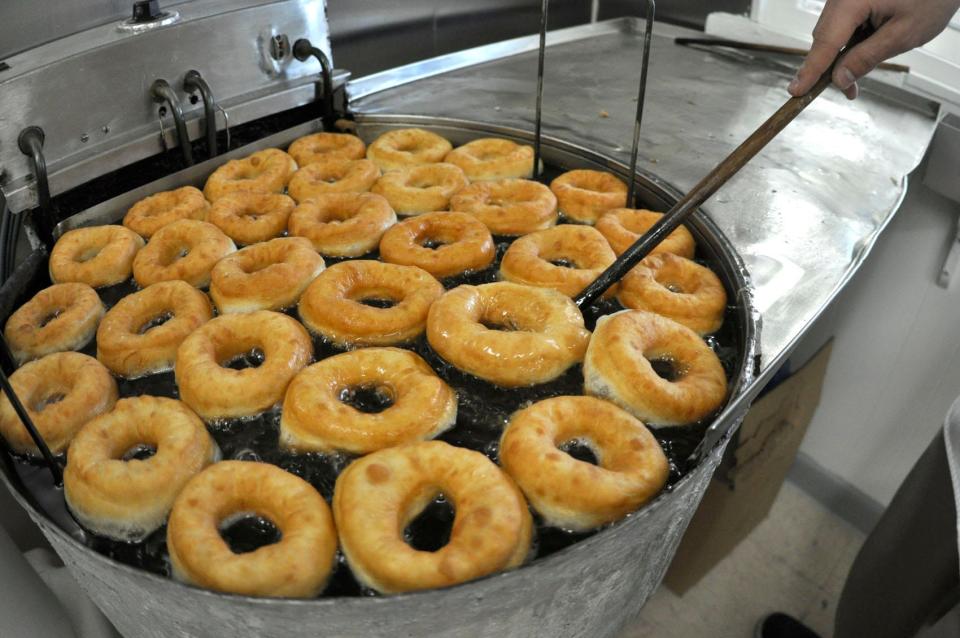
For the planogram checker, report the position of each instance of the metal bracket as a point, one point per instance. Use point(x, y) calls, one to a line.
point(951, 262)
point(303, 49)
point(162, 92)
point(30, 142)
point(193, 82)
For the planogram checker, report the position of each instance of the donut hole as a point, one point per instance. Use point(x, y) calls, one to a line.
point(154, 322)
point(50, 316)
point(139, 452)
point(501, 323)
point(405, 146)
point(429, 530)
point(432, 243)
point(581, 450)
point(245, 360)
point(47, 399)
point(88, 254)
point(172, 252)
point(368, 398)
point(562, 262)
point(247, 532)
point(421, 183)
point(666, 368)
point(377, 302)
point(671, 282)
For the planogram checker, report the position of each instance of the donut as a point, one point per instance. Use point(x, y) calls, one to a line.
point(113, 493)
point(492, 158)
point(266, 171)
point(369, 303)
point(61, 317)
point(156, 211)
point(216, 391)
point(444, 244)
point(267, 276)
point(333, 175)
point(618, 367)
point(296, 566)
point(343, 224)
point(676, 288)
point(185, 250)
point(377, 496)
point(60, 392)
point(97, 256)
point(318, 416)
point(585, 195)
point(572, 494)
point(508, 206)
point(566, 258)
point(140, 335)
point(248, 218)
point(420, 189)
point(534, 334)
point(622, 227)
point(322, 146)
point(407, 147)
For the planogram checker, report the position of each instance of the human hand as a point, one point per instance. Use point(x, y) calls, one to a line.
point(900, 25)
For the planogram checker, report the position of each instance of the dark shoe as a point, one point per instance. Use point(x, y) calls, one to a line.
point(783, 626)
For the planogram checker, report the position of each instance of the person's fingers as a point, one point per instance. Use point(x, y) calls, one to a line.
point(838, 21)
point(889, 40)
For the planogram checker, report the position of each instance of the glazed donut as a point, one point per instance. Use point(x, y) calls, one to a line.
point(377, 496)
point(266, 171)
point(508, 206)
point(185, 250)
point(464, 242)
point(113, 493)
point(585, 195)
point(333, 306)
point(97, 256)
point(407, 147)
point(61, 317)
point(536, 333)
point(248, 218)
point(215, 391)
point(140, 335)
point(678, 289)
point(618, 368)
point(624, 226)
point(420, 189)
point(156, 211)
point(566, 258)
point(343, 224)
point(492, 158)
point(61, 392)
point(575, 495)
point(322, 146)
point(317, 416)
point(333, 176)
point(267, 276)
point(296, 566)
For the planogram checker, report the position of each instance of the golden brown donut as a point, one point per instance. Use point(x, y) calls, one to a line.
point(575, 495)
point(378, 495)
point(141, 333)
point(535, 334)
point(333, 175)
point(322, 146)
point(492, 158)
point(61, 392)
point(618, 368)
point(343, 224)
point(585, 195)
point(97, 256)
point(215, 391)
point(677, 288)
point(333, 304)
point(114, 494)
point(407, 147)
point(463, 244)
point(248, 218)
point(266, 171)
point(508, 206)
point(61, 317)
point(420, 189)
point(185, 250)
point(317, 416)
point(296, 566)
point(624, 226)
point(267, 276)
point(156, 211)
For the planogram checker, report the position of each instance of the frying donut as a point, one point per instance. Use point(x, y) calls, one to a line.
point(97, 256)
point(676, 288)
point(343, 224)
point(624, 226)
point(61, 317)
point(267, 276)
point(407, 147)
point(317, 415)
point(377, 496)
point(618, 368)
point(156, 211)
point(333, 306)
point(508, 206)
point(322, 146)
point(585, 195)
point(535, 333)
point(266, 171)
point(141, 333)
point(115, 494)
point(420, 189)
point(572, 494)
point(333, 175)
point(185, 250)
point(492, 158)
point(248, 218)
point(463, 244)
point(216, 391)
point(296, 566)
point(61, 392)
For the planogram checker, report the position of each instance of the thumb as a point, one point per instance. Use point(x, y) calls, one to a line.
point(889, 40)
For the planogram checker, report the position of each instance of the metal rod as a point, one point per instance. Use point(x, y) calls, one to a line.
point(21, 411)
point(304, 49)
point(194, 82)
point(538, 122)
point(5, 221)
point(226, 123)
point(641, 97)
point(30, 143)
point(162, 92)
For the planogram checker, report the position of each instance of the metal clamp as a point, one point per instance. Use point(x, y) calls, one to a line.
point(303, 49)
point(194, 83)
point(30, 142)
point(951, 262)
point(162, 92)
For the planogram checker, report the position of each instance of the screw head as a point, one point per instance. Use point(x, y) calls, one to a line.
point(84, 138)
point(105, 129)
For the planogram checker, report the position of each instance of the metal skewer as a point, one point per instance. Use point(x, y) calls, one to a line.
point(539, 111)
point(641, 96)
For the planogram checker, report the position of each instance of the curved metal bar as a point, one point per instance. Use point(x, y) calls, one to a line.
point(162, 92)
point(194, 83)
point(303, 49)
point(30, 142)
point(641, 96)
